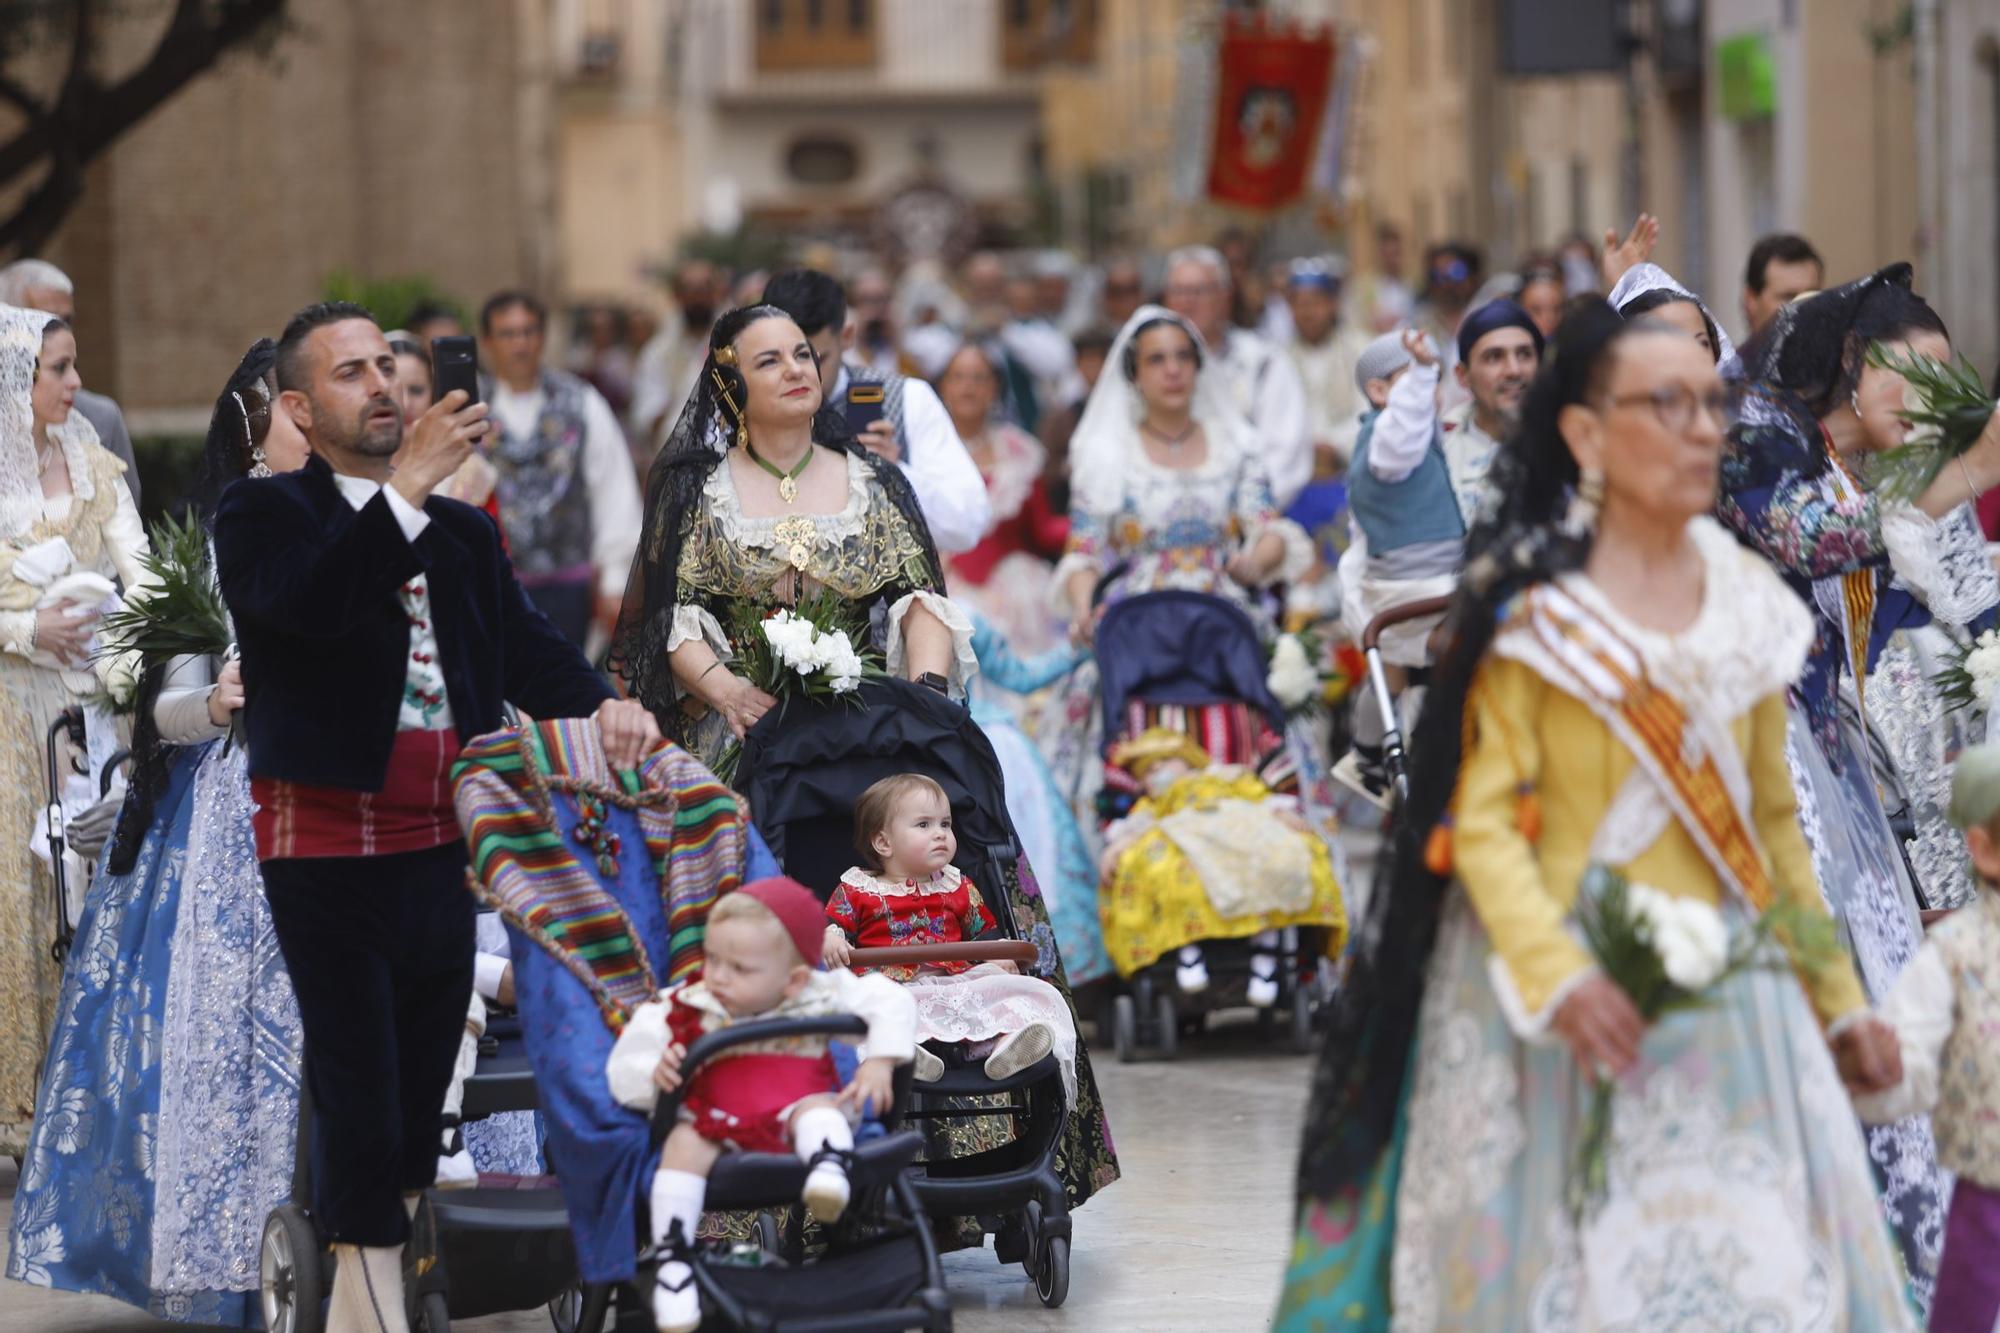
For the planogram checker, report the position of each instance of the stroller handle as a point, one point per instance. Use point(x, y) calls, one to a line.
point(975, 951)
point(667, 1111)
point(1397, 615)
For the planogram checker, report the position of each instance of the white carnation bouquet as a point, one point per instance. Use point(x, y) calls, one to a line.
point(1669, 954)
point(1972, 673)
point(804, 651)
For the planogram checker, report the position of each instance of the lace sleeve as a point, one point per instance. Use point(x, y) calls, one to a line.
point(1943, 561)
point(964, 663)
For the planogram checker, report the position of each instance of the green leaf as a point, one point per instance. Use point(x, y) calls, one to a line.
point(181, 611)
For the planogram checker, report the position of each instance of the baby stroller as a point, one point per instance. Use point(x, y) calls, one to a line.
point(880, 1269)
point(1393, 757)
point(806, 768)
point(484, 1250)
point(1194, 662)
point(83, 836)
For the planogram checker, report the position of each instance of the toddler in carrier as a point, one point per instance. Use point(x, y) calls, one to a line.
point(1210, 852)
point(907, 891)
point(781, 1096)
point(1410, 533)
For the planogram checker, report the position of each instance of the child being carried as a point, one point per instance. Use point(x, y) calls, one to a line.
point(907, 892)
point(778, 1096)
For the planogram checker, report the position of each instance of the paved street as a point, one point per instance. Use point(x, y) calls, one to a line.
point(1194, 1236)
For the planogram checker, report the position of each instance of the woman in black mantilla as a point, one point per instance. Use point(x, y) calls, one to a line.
point(758, 499)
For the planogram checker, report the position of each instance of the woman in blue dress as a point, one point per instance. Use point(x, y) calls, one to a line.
point(166, 1121)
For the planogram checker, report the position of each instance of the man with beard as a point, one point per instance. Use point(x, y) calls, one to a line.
point(1257, 378)
point(1499, 350)
point(672, 358)
point(379, 625)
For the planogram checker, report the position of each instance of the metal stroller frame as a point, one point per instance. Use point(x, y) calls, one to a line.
point(1394, 756)
point(1148, 1010)
point(517, 1240)
point(68, 725)
point(881, 1254)
point(1013, 1190)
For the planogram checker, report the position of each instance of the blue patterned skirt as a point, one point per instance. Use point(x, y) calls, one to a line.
point(166, 1120)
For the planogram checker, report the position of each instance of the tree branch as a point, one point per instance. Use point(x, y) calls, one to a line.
point(93, 115)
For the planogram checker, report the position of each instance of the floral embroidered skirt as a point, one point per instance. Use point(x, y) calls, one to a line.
point(1739, 1196)
point(986, 1001)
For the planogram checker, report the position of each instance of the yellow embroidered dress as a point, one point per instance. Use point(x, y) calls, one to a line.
point(1208, 859)
point(1740, 1193)
point(98, 521)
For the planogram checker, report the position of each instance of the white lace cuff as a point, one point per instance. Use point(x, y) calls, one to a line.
point(1532, 1028)
point(1299, 553)
point(1072, 562)
point(1942, 560)
point(964, 664)
point(692, 624)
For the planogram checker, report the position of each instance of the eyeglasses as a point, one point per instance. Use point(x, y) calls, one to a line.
point(1674, 405)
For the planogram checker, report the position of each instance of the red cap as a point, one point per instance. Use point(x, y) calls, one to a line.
point(797, 910)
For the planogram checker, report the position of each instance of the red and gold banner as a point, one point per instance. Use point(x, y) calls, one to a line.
point(1271, 91)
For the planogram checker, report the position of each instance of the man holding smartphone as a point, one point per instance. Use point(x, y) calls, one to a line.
point(894, 416)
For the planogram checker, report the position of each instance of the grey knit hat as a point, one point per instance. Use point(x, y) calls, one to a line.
point(1379, 360)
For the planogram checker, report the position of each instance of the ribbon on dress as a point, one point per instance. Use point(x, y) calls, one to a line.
point(1578, 652)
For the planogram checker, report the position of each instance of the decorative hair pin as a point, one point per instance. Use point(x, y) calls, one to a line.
point(725, 355)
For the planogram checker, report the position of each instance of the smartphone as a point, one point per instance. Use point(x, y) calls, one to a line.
point(455, 365)
point(864, 406)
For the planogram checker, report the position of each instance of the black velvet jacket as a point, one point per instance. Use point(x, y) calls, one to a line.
point(312, 584)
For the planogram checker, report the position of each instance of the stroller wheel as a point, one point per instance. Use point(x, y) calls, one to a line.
point(770, 1234)
point(1168, 1022)
point(566, 1309)
point(1052, 1272)
point(1124, 1029)
point(433, 1316)
point(291, 1272)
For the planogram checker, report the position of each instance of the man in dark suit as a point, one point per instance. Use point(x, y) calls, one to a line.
point(380, 627)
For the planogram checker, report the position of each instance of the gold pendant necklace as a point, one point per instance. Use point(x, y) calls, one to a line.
point(788, 482)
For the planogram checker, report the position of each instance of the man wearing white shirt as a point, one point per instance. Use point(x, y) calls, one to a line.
point(1258, 378)
point(914, 431)
point(569, 499)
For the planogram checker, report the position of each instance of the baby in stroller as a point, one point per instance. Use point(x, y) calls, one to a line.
point(908, 893)
point(777, 1098)
point(1210, 852)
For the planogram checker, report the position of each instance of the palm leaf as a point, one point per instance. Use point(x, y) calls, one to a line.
point(180, 612)
point(1951, 410)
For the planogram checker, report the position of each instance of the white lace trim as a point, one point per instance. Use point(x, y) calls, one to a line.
point(1531, 1026)
point(1748, 641)
point(828, 529)
point(1073, 562)
point(964, 664)
point(1299, 553)
point(1018, 462)
point(693, 624)
point(946, 880)
point(1943, 561)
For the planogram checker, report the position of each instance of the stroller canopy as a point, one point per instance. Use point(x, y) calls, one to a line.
point(1180, 648)
point(807, 763)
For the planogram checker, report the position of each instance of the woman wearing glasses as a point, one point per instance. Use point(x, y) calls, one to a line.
point(1617, 662)
point(1794, 489)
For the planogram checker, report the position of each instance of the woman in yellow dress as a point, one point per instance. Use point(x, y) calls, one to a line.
point(1613, 695)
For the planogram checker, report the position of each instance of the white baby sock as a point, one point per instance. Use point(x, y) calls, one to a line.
point(677, 1197)
point(826, 1192)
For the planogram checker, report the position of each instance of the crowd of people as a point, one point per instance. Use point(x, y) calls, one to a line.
point(1690, 645)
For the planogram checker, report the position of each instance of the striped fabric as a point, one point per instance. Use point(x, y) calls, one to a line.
point(521, 865)
point(1231, 733)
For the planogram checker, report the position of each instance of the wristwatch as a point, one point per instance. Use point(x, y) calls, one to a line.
point(933, 681)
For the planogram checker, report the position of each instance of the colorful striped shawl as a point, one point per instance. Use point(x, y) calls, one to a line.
point(522, 866)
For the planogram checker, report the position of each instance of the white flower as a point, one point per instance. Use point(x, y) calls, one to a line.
point(791, 637)
point(119, 674)
point(843, 667)
point(1292, 677)
point(1982, 663)
point(1686, 933)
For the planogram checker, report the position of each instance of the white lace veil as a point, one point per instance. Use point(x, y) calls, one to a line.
point(1106, 442)
point(1642, 278)
point(20, 465)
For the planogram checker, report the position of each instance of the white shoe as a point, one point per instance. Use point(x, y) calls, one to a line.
point(676, 1311)
point(827, 1191)
point(1018, 1050)
point(1191, 978)
point(927, 1068)
point(1263, 987)
point(456, 1171)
